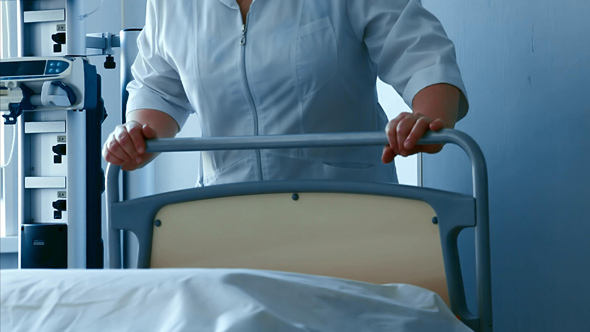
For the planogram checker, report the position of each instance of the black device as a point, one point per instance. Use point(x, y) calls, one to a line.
point(44, 246)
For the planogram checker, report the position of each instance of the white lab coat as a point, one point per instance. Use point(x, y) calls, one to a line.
point(301, 66)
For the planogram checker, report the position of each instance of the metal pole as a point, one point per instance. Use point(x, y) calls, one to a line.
point(76, 28)
point(20, 27)
point(141, 182)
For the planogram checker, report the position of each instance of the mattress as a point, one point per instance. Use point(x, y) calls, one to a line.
point(213, 300)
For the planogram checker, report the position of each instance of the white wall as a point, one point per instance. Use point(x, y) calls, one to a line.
point(393, 104)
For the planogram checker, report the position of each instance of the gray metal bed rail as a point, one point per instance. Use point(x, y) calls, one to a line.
point(480, 322)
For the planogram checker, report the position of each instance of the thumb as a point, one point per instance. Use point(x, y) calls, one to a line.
point(149, 132)
point(436, 125)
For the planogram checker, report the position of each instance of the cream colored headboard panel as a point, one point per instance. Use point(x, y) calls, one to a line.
point(362, 237)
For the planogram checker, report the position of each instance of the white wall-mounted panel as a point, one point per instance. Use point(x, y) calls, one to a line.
point(35, 16)
point(46, 182)
point(45, 127)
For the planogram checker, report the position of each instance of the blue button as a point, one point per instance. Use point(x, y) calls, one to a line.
point(58, 70)
point(51, 64)
point(50, 71)
point(61, 64)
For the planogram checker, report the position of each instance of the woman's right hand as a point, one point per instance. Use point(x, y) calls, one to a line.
point(125, 146)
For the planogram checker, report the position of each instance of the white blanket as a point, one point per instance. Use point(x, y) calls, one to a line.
point(212, 300)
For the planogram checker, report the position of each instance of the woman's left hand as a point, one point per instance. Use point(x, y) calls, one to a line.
point(403, 133)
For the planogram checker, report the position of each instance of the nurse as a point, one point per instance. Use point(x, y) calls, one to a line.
point(267, 67)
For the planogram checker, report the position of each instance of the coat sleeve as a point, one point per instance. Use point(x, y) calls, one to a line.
point(156, 84)
point(408, 45)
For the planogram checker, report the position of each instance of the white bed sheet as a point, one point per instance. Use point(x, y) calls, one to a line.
point(212, 300)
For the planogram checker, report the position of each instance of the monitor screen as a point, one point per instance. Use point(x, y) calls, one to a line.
point(22, 68)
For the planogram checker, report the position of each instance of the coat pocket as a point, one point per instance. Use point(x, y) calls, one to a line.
point(315, 56)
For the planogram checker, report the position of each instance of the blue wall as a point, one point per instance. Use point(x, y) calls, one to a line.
point(526, 65)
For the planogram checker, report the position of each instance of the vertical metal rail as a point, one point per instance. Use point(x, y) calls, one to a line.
point(112, 236)
point(141, 182)
point(19, 159)
point(76, 28)
point(20, 30)
point(482, 228)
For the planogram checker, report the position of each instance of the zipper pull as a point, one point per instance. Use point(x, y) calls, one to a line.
point(243, 40)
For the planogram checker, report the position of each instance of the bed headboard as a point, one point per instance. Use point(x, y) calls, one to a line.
point(372, 232)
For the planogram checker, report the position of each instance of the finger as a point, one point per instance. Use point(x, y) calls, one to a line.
point(419, 129)
point(117, 151)
point(136, 135)
point(110, 157)
point(149, 132)
point(436, 125)
point(391, 128)
point(404, 128)
point(126, 143)
point(388, 155)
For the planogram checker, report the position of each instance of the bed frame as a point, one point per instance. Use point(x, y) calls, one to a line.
point(372, 232)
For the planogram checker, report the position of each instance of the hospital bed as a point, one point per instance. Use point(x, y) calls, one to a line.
point(302, 255)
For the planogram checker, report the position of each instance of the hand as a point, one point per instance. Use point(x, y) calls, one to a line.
point(126, 145)
point(403, 133)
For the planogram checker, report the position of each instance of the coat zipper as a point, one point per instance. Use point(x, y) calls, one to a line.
point(247, 86)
